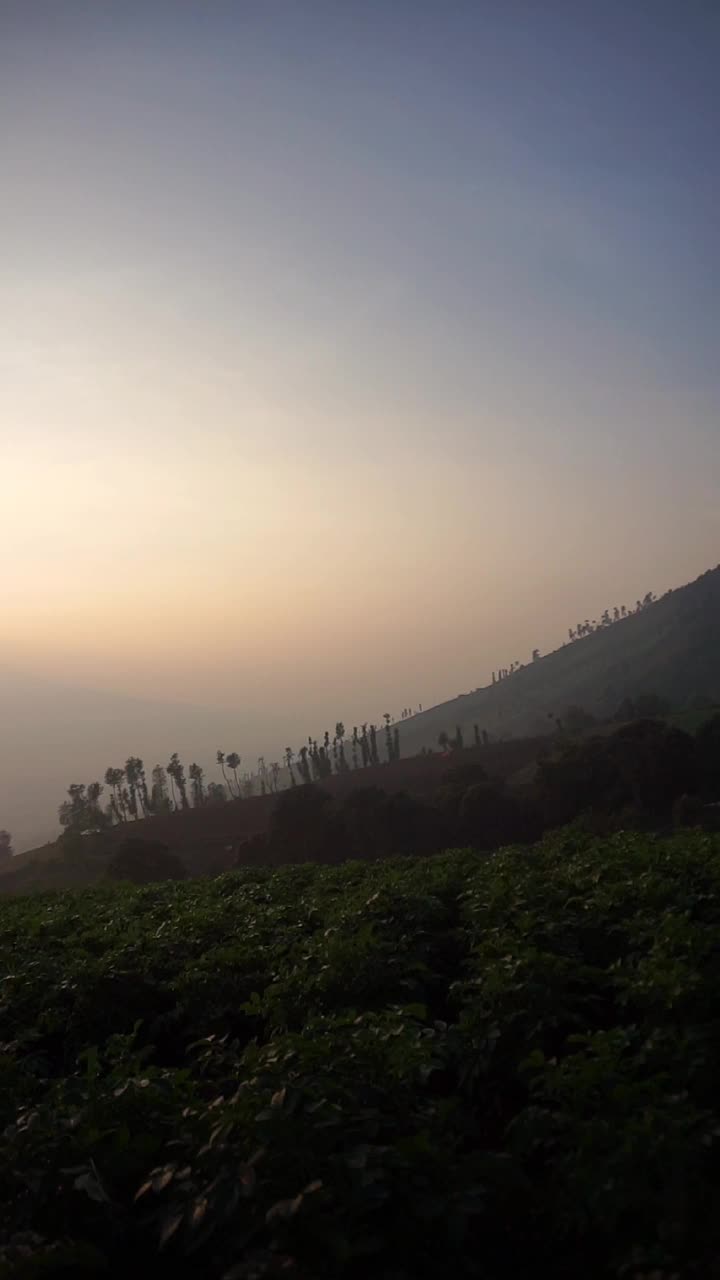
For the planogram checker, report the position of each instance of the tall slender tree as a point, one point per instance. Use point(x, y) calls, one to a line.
point(159, 799)
point(114, 780)
point(263, 775)
point(233, 761)
point(133, 776)
point(388, 736)
point(304, 768)
point(197, 776)
point(221, 761)
point(176, 771)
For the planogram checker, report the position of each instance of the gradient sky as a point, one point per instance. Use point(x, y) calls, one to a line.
point(349, 349)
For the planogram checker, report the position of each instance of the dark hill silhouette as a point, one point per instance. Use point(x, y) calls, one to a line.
point(671, 648)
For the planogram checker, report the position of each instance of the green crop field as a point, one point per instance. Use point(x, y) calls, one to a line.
point(457, 1066)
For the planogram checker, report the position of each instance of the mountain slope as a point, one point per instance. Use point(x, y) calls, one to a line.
point(672, 648)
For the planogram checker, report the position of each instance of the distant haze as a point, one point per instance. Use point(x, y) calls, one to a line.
point(347, 352)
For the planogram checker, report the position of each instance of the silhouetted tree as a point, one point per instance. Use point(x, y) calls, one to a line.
point(476, 734)
point(176, 770)
point(443, 740)
point(216, 794)
point(458, 742)
point(396, 743)
point(304, 765)
point(289, 756)
point(196, 781)
point(221, 761)
point(374, 755)
point(233, 761)
point(82, 812)
point(324, 760)
point(159, 799)
point(365, 747)
point(6, 846)
point(143, 788)
point(135, 776)
point(388, 737)
point(341, 764)
point(114, 780)
point(355, 747)
point(263, 776)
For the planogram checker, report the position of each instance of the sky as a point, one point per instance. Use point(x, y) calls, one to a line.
point(348, 350)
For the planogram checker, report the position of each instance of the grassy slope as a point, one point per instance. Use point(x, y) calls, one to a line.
point(671, 648)
point(399, 1069)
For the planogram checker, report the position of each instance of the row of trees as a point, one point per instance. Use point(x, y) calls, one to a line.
point(586, 628)
point(607, 619)
point(636, 777)
point(315, 762)
point(130, 796)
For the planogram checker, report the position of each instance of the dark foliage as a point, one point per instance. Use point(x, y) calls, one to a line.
point(144, 862)
point(453, 1066)
point(646, 765)
point(707, 743)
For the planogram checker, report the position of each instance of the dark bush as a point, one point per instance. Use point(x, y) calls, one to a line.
point(707, 742)
point(585, 775)
point(656, 762)
point(145, 862)
point(489, 816)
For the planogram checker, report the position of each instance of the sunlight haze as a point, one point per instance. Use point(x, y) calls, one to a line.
point(347, 351)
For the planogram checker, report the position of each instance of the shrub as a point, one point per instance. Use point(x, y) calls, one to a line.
point(144, 862)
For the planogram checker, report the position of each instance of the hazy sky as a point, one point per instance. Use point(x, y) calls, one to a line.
point(349, 349)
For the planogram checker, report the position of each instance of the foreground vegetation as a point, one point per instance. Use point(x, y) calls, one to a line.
point(457, 1065)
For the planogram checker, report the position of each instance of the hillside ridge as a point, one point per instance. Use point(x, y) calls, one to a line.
point(671, 647)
